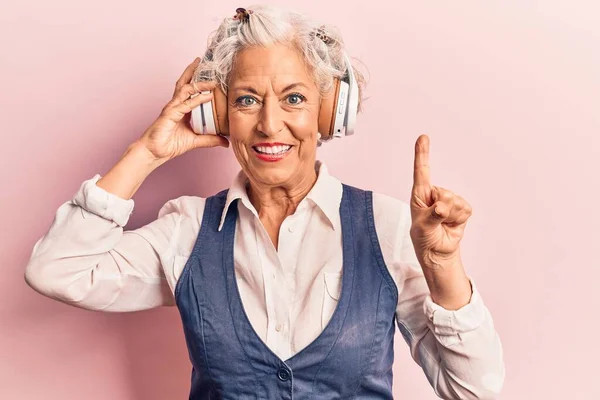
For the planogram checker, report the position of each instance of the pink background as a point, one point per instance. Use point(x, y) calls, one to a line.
point(509, 94)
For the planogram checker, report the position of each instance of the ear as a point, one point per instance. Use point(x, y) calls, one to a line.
point(219, 105)
point(327, 111)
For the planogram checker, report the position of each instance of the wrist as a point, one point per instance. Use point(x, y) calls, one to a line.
point(449, 286)
point(143, 155)
point(128, 174)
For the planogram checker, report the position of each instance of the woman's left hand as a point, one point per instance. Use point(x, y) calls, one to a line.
point(439, 216)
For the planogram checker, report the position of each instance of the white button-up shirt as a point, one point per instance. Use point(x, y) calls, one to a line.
point(289, 294)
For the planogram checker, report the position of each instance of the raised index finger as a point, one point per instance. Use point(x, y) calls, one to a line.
point(421, 169)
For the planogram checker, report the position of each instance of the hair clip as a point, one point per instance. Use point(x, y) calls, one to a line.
point(322, 35)
point(242, 14)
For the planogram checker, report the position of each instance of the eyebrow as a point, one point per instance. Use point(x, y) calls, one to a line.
point(254, 91)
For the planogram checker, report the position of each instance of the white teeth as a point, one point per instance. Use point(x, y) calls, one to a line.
point(272, 149)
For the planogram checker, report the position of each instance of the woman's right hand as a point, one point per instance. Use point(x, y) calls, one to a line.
point(171, 134)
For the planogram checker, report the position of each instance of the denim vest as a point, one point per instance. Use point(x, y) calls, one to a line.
point(351, 358)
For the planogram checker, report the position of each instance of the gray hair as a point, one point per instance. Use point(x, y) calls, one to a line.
point(269, 25)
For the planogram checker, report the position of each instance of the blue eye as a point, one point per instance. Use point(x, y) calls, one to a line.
point(242, 101)
point(298, 96)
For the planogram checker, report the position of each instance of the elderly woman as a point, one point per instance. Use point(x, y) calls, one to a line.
point(289, 283)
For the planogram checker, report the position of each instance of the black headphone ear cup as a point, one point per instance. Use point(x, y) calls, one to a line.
point(327, 111)
point(219, 104)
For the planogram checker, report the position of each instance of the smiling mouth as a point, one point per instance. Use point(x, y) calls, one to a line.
point(272, 150)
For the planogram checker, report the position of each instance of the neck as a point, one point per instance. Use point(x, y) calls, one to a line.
point(277, 202)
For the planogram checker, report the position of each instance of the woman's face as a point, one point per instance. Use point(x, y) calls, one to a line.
point(273, 107)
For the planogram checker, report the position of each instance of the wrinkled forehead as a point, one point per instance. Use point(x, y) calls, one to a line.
point(277, 65)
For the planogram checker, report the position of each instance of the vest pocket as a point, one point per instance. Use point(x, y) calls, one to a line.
point(331, 295)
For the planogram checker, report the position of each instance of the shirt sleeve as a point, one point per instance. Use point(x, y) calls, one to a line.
point(87, 260)
point(459, 351)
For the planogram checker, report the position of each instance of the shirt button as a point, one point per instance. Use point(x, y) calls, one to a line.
point(283, 374)
point(291, 228)
point(278, 327)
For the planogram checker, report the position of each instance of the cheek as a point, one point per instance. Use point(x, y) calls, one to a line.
point(304, 126)
point(240, 125)
point(240, 131)
point(239, 148)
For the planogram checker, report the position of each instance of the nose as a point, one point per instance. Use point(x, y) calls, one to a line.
point(271, 118)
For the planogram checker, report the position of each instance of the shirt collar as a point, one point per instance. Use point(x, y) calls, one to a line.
point(326, 194)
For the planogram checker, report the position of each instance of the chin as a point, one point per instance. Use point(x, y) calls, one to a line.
point(274, 175)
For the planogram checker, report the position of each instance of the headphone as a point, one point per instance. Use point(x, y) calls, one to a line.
point(337, 114)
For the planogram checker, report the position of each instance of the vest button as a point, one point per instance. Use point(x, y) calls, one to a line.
point(283, 374)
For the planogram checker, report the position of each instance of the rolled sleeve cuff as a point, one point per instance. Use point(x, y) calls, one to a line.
point(450, 322)
point(98, 201)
